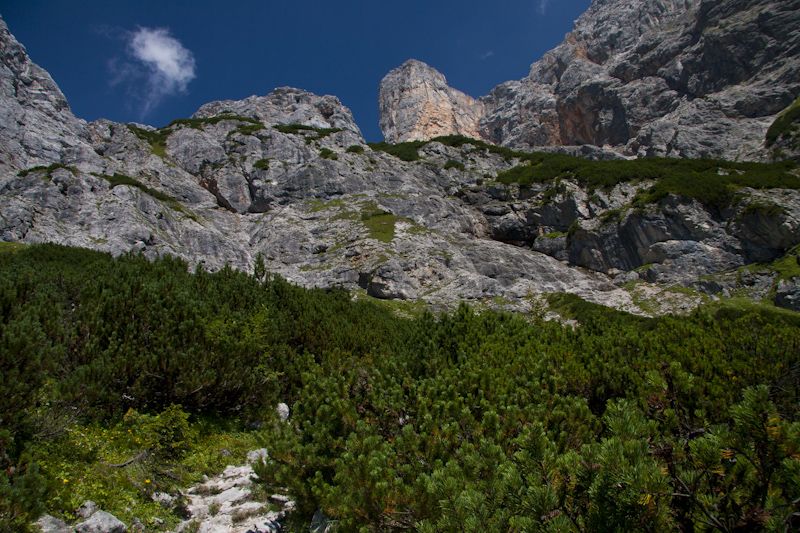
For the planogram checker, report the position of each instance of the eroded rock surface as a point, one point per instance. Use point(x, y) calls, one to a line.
point(289, 176)
point(417, 104)
point(684, 78)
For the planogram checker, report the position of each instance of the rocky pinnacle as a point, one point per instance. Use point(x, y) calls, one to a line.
point(682, 78)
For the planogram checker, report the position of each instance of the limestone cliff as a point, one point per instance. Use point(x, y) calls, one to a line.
point(685, 78)
point(417, 104)
point(289, 176)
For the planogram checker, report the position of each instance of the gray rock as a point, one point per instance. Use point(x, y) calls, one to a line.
point(87, 509)
point(256, 456)
point(787, 294)
point(165, 500)
point(283, 411)
point(101, 522)
point(51, 524)
point(682, 78)
point(220, 191)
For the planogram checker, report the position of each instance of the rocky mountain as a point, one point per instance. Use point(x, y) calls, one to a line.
point(417, 104)
point(287, 178)
point(683, 78)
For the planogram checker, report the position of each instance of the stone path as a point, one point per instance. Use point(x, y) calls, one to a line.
point(222, 504)
point(225, 503)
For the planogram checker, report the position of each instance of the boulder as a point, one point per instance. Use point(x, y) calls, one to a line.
point(101, 522)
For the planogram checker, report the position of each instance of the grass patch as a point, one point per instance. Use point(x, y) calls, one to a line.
point(199, 123)
point(327, 153)
point(786, 125)
point(120, 179)
point(587, 313)
point(11, 247)
point(405, 151)
point(452, 163)
point(379, 222)
point(712, 182)
point(261, 164)
point(297, 129)
point(49, 170)
point(248, 129)
point(173, 203)
point(355, 149)
point(157, 139)
point(78, 462)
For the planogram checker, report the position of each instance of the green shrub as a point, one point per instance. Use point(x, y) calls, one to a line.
point(120, 179)
point(198, 123)
point(785, 125)
point(261, 164)
point(713, 182)
point(327, 153)
point(248, 129)
point(452, 163)
point(296, 129)
point(156, 138)
point(48, 169)
point(495, 420)
point(406, 151)
point(355, 149)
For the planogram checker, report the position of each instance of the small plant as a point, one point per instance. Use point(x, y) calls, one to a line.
point(355, 149)
point(157, 139)
point(213, 509)
point(452, 163)
point(49, 170)
point(261, 164)
point(327, 153)
point(785, 125)
point(240, 515)
point(248, 129)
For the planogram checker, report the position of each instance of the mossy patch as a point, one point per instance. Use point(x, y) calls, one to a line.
point(48, 170)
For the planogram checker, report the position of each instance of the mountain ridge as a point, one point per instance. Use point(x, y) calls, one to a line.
point(288, 178)
point(681, 78)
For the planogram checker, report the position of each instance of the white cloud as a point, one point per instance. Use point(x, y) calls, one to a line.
point(487, 54)
point(542, 6)
point(169, 66)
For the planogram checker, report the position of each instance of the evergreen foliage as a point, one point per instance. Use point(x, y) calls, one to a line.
point(785, 126)
point(461, 422)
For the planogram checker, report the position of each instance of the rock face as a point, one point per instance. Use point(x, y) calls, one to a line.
point(417, 104)
point(684, 78)
point(287, 177)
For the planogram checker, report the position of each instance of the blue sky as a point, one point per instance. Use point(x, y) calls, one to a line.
point(153, 61)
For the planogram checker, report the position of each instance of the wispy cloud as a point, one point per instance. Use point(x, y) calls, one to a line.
point(158, 66)
point(487, 54)
point(542, 6)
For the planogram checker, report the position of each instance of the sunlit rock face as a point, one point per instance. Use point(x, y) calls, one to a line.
point(288, 178)
point(417, 104)
point(680, 78)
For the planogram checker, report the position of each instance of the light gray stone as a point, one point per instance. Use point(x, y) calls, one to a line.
point(283, 411)
point(682, 78)
point(256, 456)
point(50, 524)
point(87, 509)
point(101, 522)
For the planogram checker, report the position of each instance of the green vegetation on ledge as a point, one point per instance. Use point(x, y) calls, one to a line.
point(786, 126)
point(124, 377)
point(297, 129)
point(712, 182)
point(48, 170)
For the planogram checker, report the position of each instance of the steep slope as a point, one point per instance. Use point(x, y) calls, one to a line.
point(417, 104)
point(288, 178)
point(684, 78)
